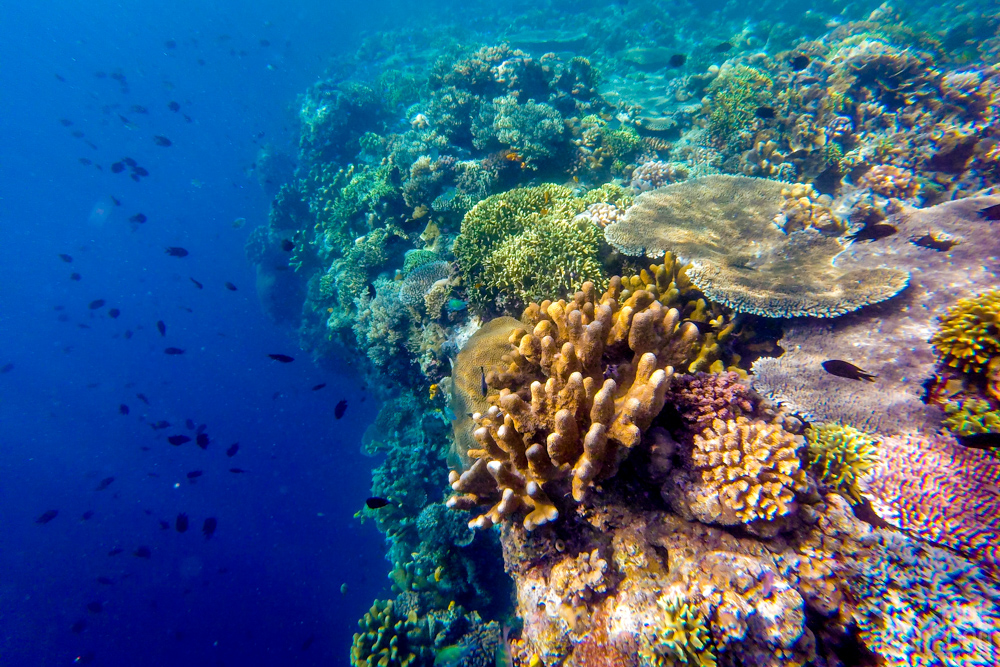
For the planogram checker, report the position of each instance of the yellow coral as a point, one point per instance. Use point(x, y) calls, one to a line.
point(681, 637)
point(969, 336)
point(840, 455)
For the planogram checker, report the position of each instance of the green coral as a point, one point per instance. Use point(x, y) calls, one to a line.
point(681, 637)
point(416, 258)
point(735, 96)
point(969, 335)
point(526, 244)
point(621, 144)
point(839, 455)
point(972, 417)
point(533, 130)
point(391, 639)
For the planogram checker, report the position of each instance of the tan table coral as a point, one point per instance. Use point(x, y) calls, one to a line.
point(725, 227)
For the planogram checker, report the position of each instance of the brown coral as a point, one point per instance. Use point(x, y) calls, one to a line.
point(702, 398)
point(890, 181)
point(723, 226)
point(575, 398)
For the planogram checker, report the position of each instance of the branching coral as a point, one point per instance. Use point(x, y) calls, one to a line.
point(840, 456)
point(723, 226)
point(735, 95)
point(574, 399)
point(391, 639)
point(969, 335)
point(681, 637)
point(702, 398)
point(533, 130)
point(972, 417)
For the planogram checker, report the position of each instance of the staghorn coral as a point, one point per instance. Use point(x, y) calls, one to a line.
point(702, 398)
point(969, 335)
point(889, 340)
point(723, 226)
point(741, 472)
point(939, 491)
point(971, 417)
point(839, 456)
point(921, 605)
point(574, 399)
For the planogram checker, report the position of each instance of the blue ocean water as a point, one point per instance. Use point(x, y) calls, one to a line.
point(266, 588)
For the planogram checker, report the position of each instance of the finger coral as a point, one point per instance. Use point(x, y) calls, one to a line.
point(743, 472)
point(971, 417)
point(391, 639)
point(840, 456)
point(724, 226)
point(584, 380)
point(969, 335)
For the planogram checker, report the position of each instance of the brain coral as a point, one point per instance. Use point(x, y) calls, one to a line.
point(840, 455)
point(724, 226)
point(744, 472)
point(528, 244)
point(584, 379)
point(969, 336)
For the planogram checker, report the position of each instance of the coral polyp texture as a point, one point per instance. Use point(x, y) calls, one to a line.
point(969, 336)
point(701, 398)
point(940, 491)
point(743, 472)
point(584, 380)
point(840, 456)
point(724, 226)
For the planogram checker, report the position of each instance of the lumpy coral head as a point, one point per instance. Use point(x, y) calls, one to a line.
point(969, 336)
point(724, 226)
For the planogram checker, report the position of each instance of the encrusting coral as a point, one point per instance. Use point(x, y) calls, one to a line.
point(725, 227)
point(969, 335)
point(584, 380)
point(840, 456)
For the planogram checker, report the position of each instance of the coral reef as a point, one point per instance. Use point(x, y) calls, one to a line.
point(971, 417)
point(702, 398)
point(969, 335)
point(723, 226)
point(839, 456)
point(532, 130)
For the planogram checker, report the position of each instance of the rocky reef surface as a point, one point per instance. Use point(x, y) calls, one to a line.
point(686, 325)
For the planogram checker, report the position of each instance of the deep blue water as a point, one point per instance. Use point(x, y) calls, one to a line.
point(268, 582)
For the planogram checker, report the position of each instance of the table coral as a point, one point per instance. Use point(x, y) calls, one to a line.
point(969, 335)
point(840, 456)
point(579, 391)
point(939, 491)
point(724, 226)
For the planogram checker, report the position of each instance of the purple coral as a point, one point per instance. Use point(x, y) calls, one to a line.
point(703, 397)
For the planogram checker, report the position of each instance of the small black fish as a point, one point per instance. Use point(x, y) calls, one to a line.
point(96, 303)
point(87, 515)
point(142, 397)
point(208, 528)
point(77, 134)
point(237, 470)
point(47, 516)
point(371, 291)
point(932, 242)
point(202, 440)
point(160, 140)
point(317, 387)
point(283, 358)
point(113, 313)
point(115, 551)
point(123, 409)
point(375, 502)
point(105, 483)
point(105, 581)
point(60, 77)
point(231, 287)
point(987, 440)
point(75, 276)
point(136, 108)
point(181, 524)
point(287, 245)
point(195, 474)
point(233, 448)
point(340, 409)
point(173, 350)
point(879, 230)
point(124, 120)
point(65, 122)
point(722, 48)
point(7, 368)
point(677, 60)
point(138, 217)
point(482, 380)
point(189, 423)
point(117, 167)
point(134, 176)
point(765, 113)
point(95, 607)
point(308, 642)
point(799, 62)
point(847, 370)
point(161, 327)
point(170, 44)
point(79, 626)
point(175, 251)
point(990, 212)
point(116, 202)
point(174, 106)
point(196, 283)
point(164, 525)
point(703, 327)
point(178, 440)
point(142, 552)
point(66, 258)
point(130, 162)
